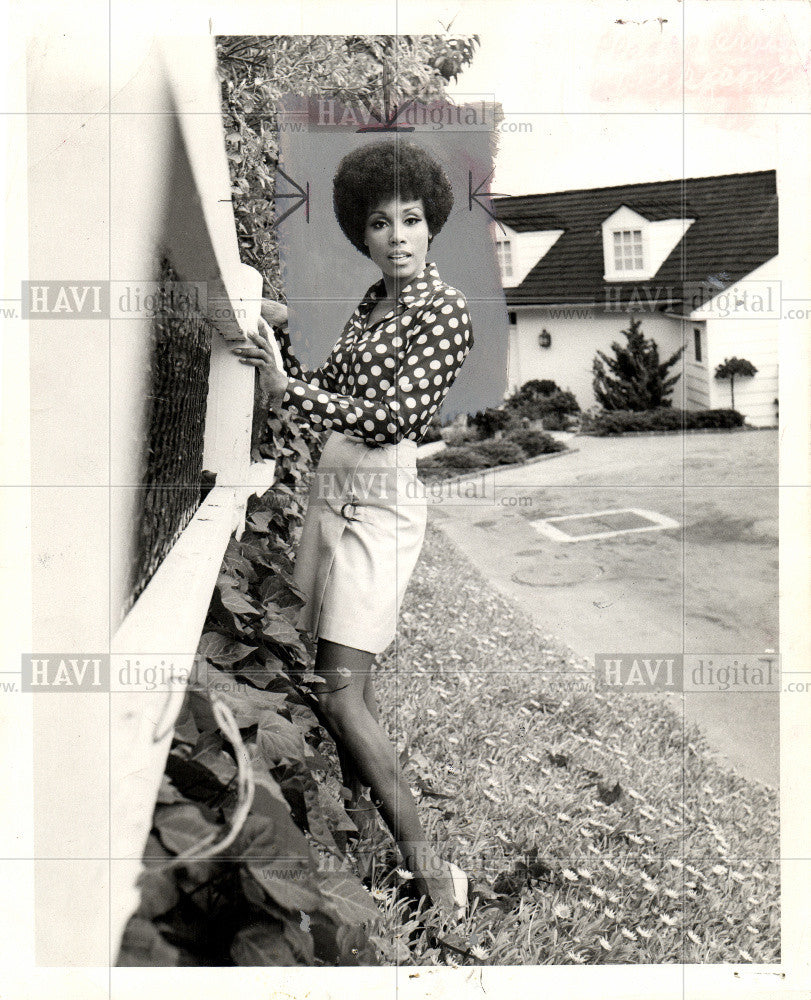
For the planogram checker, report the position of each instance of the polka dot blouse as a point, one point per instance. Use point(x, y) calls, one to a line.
point(385, 382)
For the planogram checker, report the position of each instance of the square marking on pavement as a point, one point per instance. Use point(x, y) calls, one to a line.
point(602, 524)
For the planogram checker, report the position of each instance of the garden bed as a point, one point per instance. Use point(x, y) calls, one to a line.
point(518, 447)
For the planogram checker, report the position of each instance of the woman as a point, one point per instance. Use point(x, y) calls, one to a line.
point(386, 377)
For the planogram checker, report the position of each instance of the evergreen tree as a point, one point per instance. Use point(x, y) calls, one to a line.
point(635, 378)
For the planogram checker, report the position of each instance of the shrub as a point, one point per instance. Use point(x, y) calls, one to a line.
point(503, 452)
point(432, 434)
point(539, 398)
point(614, 422)
point(634, 379)
point(457, 458)
point(488, 422)
point(456, 437)
point(555, 421)
point(535, 442)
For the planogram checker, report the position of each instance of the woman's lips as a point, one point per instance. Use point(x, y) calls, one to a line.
point(402, 255)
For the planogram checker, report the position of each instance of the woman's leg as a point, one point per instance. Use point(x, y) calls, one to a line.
point(357, 732)
point(369, 697)
point(349, 775)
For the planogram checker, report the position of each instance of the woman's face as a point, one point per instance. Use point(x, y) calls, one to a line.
point(397, 237)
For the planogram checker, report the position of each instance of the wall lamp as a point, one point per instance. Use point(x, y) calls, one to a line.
point(544, 338)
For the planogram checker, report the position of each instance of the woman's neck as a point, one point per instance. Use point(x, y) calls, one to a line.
point(395, 285)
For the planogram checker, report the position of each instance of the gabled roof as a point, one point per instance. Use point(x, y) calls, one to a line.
point(735, 231)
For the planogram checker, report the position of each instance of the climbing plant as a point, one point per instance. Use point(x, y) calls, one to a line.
point(248, 861)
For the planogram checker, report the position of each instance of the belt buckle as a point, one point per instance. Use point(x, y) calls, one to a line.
point(353, 503)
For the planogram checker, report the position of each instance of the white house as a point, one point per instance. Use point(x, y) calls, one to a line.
point(695, 260)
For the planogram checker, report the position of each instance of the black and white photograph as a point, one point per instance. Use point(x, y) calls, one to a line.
point(405, 456)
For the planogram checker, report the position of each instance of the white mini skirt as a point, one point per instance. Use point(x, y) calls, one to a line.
point(362, 535)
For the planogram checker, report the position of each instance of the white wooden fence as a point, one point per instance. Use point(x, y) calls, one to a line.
point(110, 192)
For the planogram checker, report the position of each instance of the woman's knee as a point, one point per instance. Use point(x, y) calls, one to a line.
point(343, 709)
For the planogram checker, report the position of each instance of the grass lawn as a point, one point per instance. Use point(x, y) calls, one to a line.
point(594, 827)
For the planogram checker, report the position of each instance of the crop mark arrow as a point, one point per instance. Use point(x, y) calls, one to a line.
point(302, 193)
point(477, 196)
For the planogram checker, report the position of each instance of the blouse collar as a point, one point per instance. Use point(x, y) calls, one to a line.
point(409, 293)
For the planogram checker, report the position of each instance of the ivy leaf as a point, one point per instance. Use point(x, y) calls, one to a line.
point(334, 811)
point(194, 780)
point(261, 674)
point(218, 648)
point(254, 551)
point(158, 893)
point(279, 629)
point(317, 825)
point(278, 857)
point(181, 827)
point(300, 941)
point(186, 730)
point(348, 898)
point(247, 703)
point(236, 602)
point(167, 793)
point(235, 561)
point(143, 945)
point(275, 591)
point(262, 944)
point(303, 716)
point(278, 739)
point(259, 521)
point(219, 763)
point(267, 794)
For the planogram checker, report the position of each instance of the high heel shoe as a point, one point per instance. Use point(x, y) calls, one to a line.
point(451, 893)
point(459, 882)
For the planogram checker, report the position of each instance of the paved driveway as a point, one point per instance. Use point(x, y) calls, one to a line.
point(708, 585)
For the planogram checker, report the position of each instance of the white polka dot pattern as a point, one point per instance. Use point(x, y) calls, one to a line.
point(429, 333)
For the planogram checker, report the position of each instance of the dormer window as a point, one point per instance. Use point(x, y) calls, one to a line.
point(634, 248)
point(504, 255)
point(628, 250)
point(517, 253)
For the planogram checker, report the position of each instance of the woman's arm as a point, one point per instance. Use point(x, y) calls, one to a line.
point(403, 406)
point(275, 315)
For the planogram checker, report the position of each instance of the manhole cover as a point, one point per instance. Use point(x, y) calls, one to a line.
point(602, 524)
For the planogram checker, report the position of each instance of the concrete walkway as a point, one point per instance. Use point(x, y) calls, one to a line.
point(707, 586)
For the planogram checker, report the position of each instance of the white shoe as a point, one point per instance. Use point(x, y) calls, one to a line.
point(459, 882)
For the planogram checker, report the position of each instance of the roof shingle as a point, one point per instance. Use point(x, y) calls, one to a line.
point(735, 231)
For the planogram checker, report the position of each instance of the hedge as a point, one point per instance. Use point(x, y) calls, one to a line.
point(609, 423)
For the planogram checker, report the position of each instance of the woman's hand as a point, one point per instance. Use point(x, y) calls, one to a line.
point(272, 380)
point(274, 313)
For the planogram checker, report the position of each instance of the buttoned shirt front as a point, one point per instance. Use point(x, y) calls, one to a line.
point(384, 382)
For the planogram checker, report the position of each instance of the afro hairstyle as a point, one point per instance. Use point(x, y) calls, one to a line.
point(382, 170)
